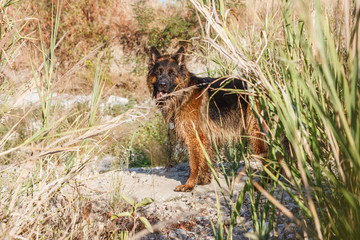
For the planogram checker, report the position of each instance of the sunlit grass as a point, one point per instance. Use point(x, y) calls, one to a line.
point(302, 64)
point(306, 75)
point(39, 164)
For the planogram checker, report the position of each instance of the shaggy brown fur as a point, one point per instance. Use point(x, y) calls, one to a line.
point(201, 109)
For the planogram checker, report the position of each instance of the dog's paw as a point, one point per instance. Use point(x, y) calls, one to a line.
point(184, 188)
point(204, 180)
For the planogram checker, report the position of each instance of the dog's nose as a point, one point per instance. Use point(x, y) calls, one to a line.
point(163, 84)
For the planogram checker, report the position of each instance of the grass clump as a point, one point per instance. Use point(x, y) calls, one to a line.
point(304, 68)
point(40, 168)
point(148, 145)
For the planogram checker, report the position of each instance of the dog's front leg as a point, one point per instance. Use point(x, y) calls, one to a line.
point(198, 163)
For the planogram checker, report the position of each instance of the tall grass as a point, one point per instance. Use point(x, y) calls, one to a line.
point(304, 68)
point(39, 166)
point(306, 73)
point(11, 42)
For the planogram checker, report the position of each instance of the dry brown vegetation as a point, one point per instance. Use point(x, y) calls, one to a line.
point(118, 30)
point(100, 48)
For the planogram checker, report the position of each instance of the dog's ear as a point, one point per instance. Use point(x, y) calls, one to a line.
point(180, 56)
point(153, 56)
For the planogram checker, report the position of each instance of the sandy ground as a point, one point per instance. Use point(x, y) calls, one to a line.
point(157, 183)
point(173, 215)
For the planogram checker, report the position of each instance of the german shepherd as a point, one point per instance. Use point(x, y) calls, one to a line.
point(201, 110)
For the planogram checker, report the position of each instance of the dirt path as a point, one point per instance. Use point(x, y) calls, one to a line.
point(159, 183)
point(174, 215)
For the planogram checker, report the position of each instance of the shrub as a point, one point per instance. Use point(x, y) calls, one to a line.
point(160, 31)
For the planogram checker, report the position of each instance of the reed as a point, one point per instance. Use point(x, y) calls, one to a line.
point(305, 70)
point(39, 165)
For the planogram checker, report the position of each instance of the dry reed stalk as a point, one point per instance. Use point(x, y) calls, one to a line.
point(22, 207)
point(244, 66)
point(220, 29)
point(81, 63)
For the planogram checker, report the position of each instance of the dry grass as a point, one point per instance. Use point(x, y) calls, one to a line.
point(85, 25)
point(39, 164)
point(40, 196)
point(49, 162)
point(68, 47)
point(303, 57)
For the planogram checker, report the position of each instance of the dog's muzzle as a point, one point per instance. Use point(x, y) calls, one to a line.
point(163, 88)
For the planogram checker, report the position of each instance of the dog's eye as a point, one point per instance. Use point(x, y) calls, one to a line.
point(159, 71)
point(171, 73)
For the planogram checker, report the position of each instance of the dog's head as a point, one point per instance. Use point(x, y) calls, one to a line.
point(166, 73)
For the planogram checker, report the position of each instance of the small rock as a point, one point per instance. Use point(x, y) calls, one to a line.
point(105, 164)
point(281, 228)
point(172, 235)
point(290, 236)
point(115, 100)
point(180, 206)
point(180, 167)
point(145, 179)
point(181, 233)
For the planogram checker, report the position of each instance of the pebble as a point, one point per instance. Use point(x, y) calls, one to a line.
point(145, 179)
point(104, 164)
point(181, 233)
point(113, 101)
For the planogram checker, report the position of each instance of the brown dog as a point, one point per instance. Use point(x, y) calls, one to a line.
point(201, 110)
